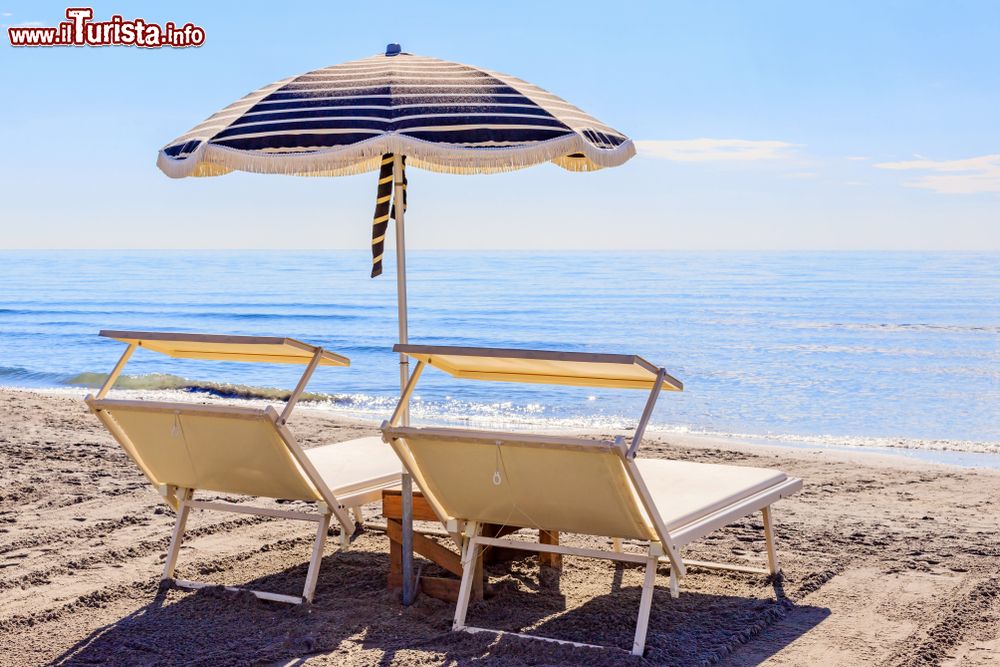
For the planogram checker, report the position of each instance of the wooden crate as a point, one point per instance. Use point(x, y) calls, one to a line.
point(446, 588)
point(442, 588)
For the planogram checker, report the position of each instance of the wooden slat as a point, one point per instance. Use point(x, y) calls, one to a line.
point(499, 554)
point(439, 588)
point(479, 579)
point(551, 559)
point(427, 548)
point(381, 527)
point(392, 506)
point(497, 530)
point(395, 560)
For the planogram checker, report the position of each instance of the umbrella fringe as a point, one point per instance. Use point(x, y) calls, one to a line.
point(214, 160)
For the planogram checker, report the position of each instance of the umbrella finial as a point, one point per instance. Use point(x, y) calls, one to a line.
point(392, 49)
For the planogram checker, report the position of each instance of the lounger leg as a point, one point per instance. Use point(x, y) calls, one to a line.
point(345, 538)
point(312, 575)
point(645, 603)
point(471, 529)
point(772, 553)
point(183, 510)
point(675, 589)
point(469, 572)
point(616, 544)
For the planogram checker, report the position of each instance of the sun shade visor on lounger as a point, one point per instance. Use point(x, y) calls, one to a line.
point(267, 349)
point(582, 369)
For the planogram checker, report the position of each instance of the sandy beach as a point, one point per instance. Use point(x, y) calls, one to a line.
point(886, 562)
point(749, 250)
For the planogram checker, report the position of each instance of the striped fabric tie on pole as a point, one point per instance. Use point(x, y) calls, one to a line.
point(380, 223)
point(385, 208)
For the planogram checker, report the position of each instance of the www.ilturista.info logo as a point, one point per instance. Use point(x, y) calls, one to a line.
point(79, 30)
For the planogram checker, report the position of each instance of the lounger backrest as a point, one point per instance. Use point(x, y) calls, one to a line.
point(572, 485)
point(214, 448)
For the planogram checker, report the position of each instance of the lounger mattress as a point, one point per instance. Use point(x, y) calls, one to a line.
point(352, 464)
point(684, 491)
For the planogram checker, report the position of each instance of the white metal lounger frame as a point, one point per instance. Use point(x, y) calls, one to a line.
point(182, 500)
point(665, 549)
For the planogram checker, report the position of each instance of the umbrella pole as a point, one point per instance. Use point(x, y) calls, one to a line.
point(404, 375)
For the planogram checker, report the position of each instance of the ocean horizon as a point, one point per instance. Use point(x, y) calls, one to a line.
point(878, 350)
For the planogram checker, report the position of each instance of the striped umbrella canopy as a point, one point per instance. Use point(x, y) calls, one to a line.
point(443, 116)
point(386, 112)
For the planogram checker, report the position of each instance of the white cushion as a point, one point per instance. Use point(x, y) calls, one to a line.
point(684, 491)
point(353, 464)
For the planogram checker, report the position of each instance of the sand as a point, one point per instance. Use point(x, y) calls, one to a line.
point(886, 562)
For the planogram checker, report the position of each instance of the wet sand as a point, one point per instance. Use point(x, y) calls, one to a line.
point(886, 562)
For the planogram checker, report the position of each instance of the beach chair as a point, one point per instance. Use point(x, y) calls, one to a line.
point(561, 484)
point(184, 447)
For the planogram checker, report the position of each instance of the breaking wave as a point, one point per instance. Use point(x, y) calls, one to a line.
point(152, 382)
point(13, 375)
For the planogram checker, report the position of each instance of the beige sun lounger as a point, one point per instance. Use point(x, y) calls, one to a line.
point(575, 485)
point(186, 447)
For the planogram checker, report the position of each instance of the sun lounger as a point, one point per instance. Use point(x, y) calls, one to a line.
point(574, 485)
point(187, 447)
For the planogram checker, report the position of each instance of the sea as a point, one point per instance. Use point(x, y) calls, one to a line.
point(883, 351)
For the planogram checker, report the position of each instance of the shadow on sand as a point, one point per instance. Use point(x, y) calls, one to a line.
point(354, 611)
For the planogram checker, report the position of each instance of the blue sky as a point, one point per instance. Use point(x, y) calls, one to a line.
point(761, 125)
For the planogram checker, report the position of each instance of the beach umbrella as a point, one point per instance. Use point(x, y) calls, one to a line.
point(385, 113)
